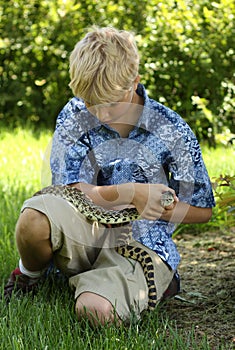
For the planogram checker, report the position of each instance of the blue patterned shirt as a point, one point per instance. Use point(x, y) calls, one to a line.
point(161, 148)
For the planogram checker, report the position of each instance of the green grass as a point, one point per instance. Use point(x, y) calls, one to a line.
point(219, 160)
point(48, 321)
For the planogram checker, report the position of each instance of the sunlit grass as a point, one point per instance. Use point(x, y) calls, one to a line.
point(219, 160)
point(21, 156)
point(21, 159)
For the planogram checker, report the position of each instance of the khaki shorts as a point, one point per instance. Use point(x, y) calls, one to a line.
point(86, 253)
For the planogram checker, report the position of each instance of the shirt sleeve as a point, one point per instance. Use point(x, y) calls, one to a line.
point(188, 173)
point(70, 145)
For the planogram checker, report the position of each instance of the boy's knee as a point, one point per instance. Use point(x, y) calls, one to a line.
point(97, 309)
point(33, 240)
point(32, 225)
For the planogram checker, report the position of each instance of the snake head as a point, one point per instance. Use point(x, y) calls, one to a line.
point(167, 199)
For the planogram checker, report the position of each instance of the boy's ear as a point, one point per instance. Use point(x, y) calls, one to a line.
point(136, 82)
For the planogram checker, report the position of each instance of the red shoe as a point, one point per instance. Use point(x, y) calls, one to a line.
point(20, 284)
point(173, 288)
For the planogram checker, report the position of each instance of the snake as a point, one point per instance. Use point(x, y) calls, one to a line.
point(108, 217)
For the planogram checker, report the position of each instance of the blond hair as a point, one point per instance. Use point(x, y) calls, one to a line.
point(104, 65)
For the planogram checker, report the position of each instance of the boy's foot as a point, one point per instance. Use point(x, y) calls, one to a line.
point(20, 284)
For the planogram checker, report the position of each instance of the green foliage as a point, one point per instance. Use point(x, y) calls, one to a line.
point(187, 54)
point(190, 57)
point(225, 191)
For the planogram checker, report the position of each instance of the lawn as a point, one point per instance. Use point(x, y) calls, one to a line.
point(48, 321)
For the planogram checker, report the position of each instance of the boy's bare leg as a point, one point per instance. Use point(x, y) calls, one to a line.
point(97, 309)
point(34, 245)
point(33, 240)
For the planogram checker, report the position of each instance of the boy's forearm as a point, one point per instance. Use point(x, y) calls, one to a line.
point(115, 195)
point(108, 196)
point(187, 214)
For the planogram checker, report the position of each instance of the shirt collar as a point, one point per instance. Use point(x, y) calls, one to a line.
point(144, 118)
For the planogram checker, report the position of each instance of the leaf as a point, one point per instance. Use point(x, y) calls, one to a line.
point(177, 297)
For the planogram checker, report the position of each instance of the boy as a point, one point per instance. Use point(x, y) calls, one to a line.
point(122, 149)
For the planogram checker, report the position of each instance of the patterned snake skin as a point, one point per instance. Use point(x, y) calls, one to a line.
point(114, 217)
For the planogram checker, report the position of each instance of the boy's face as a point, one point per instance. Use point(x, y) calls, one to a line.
point(114, 111)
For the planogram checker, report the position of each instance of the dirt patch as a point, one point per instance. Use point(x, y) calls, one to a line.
point(207, 300)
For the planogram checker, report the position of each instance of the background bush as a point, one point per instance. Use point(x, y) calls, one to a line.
point(187, 52)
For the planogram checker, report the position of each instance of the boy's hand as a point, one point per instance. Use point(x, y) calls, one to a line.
point(148, 200)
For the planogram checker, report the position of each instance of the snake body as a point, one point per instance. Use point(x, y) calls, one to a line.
point(113, 217)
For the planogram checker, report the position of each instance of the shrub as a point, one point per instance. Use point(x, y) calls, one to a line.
point(224, 187)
